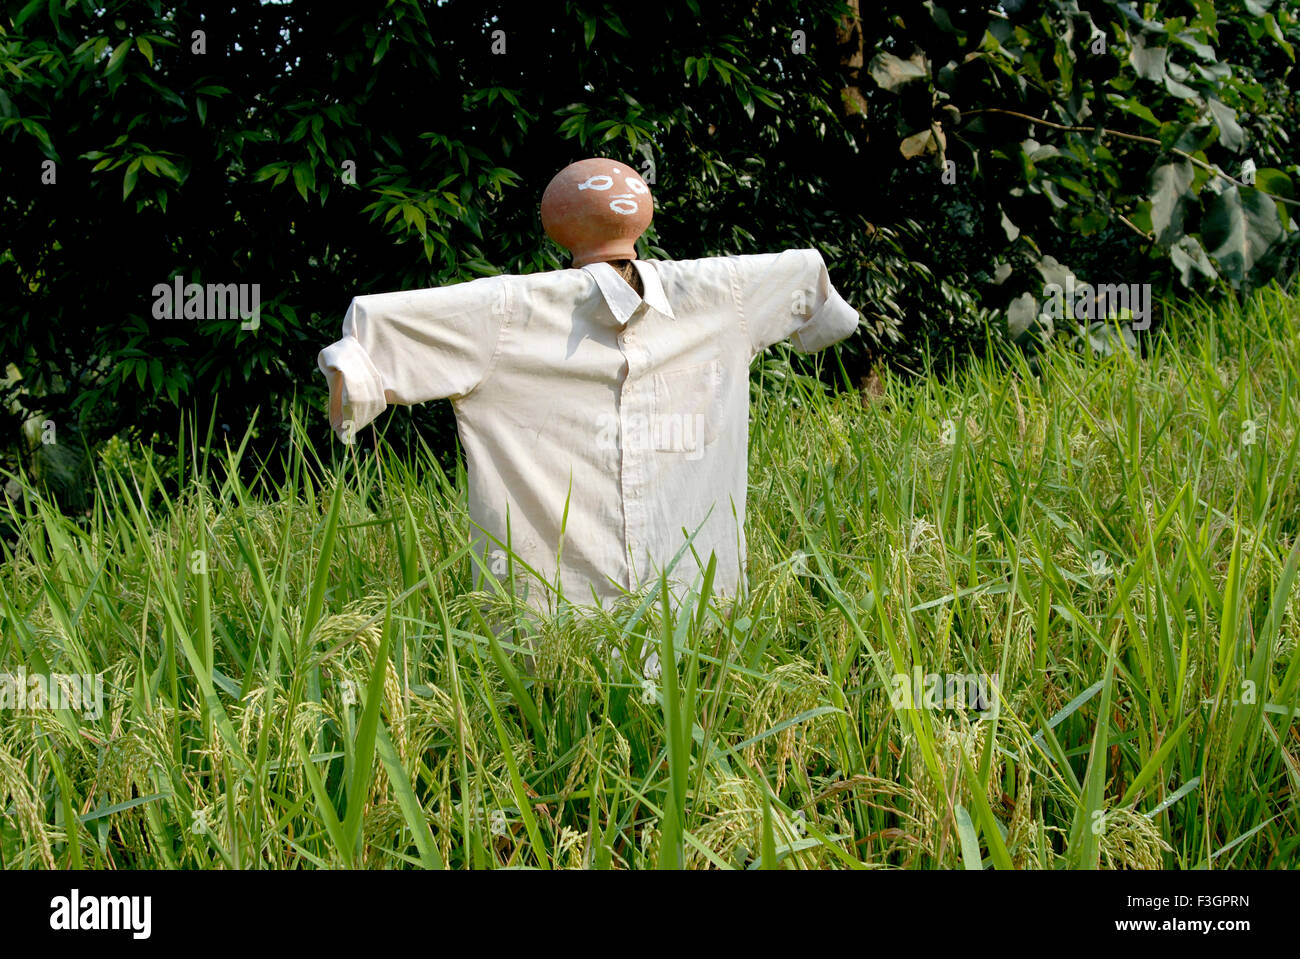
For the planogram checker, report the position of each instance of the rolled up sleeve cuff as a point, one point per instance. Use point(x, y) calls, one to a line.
point(833, 322)
point(357, 391)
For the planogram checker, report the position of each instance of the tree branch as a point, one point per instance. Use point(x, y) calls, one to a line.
point(1107, 131)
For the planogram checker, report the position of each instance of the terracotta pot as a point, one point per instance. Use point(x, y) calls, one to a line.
point(596, 209)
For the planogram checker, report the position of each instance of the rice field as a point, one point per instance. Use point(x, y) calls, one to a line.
point(298, 675)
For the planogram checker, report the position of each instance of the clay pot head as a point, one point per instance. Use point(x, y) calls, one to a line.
point(596, 209)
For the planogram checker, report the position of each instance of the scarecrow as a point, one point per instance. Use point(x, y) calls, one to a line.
point(603, 409)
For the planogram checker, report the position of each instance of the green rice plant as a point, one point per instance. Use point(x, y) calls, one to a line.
point(300, 673)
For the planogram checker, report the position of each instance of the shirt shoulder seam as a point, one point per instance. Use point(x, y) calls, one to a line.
point(740, 306)
point(500, 343)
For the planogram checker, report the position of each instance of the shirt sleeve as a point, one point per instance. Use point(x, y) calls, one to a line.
point(789, 295)
point(411, 347)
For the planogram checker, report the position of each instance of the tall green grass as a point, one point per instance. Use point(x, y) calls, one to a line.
point(298, 675)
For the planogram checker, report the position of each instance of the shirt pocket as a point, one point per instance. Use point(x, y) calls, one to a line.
point(687, 408)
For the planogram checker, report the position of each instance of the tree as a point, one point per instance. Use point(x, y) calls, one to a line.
point(315, 153)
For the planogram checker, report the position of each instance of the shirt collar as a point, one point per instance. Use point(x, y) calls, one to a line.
point(621, 298)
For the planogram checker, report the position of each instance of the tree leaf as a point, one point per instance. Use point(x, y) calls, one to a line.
point(268, 171)
point(303, 177)
point(1203, 50)
point(1169, 193)
point(1187, 255)
point(1270, 180)
point(892, 72)
point(119, 53)
point(917, 144)
point(1230, 132)
point(1174, 77)
point(1239, 226)
point(1274, 31)
point(128, 180)
point(38, 131)
point(1148, 62)
point(166, 168)
point(1011, 229)
point(1022, 313)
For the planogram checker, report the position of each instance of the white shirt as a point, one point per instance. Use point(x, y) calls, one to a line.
point(567, 385)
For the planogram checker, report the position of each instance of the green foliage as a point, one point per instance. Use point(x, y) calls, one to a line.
point(1111, 141)
point(324, 152)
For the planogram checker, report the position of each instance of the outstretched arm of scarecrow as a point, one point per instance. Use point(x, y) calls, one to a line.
point(789, 295)
point(412, 347)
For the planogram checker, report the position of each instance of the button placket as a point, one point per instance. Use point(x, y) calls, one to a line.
point(626, 464)
point(633, 411)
